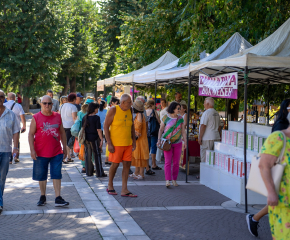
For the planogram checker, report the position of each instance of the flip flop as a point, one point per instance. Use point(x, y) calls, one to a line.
point(129, 194)
point(112, 192)
point(157, 168)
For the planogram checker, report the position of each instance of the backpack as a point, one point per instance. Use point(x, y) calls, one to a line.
point(154, 125)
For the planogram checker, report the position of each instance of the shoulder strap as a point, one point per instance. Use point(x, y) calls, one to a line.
point(174, 127)
point(283, 148)
point(12, 106)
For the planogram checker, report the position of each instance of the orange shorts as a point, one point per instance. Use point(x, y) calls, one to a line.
point(121, 154)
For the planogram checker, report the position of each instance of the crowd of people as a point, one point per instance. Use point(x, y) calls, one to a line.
point(131, 131)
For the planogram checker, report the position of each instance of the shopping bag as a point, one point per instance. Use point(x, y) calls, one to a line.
point(76, 146)
point(82, 153)
point(75, 129)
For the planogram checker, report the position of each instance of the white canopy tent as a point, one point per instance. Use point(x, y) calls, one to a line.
point(165, 59)
point(235, 44)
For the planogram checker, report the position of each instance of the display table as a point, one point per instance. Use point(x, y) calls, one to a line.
point(194, 151)
point(227, 183)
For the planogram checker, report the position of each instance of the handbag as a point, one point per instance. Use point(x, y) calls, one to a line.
point(82, 136)
point(166, 143)
point(154, 125)
point(71, 142)
point(255, 181)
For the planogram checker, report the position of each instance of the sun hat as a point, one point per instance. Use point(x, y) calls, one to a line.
point(89, 101)
point(139, 106)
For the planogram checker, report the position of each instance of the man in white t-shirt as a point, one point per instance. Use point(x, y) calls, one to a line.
point(20, 117)
point(209, 130)
point(69, 116)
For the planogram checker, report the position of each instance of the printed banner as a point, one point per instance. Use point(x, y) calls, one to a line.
point(222, 86)
point(100, 88)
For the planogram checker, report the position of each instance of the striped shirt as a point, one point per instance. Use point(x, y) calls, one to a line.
point(170, 127)
point(8, 126)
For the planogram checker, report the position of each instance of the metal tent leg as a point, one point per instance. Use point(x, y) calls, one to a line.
point(155, 92)
point(245, 135)
point(187, 133)
point(133, 92)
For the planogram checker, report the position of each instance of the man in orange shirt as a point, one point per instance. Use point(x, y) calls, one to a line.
point(120, 135)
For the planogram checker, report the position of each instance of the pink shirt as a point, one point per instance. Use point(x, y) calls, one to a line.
point(47, 135)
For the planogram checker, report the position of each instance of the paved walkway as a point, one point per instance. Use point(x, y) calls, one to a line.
point(190, 211)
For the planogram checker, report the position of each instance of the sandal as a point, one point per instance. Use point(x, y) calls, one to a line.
point(167, 184)
point(139, 177)
point(83, 170)
point(174, 183)
point(111, 192)
point(109, 163)
point(65, 161)
point(72, 155)
point(129, 194)
point(132, 175)
point(149, 172)
point(69, 160)
point(157, 168)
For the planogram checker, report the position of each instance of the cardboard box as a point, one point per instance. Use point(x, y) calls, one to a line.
point(250, 142)
point(240, 140)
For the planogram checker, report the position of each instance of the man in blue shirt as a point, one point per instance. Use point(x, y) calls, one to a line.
point(9, 129)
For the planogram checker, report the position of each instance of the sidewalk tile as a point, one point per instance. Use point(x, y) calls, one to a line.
point(93, 205)
point(130, 228)
point(122, 215)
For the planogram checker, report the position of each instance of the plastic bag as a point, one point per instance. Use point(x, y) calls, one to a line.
point(82, 153)
point(76, 146)
point(75, 129)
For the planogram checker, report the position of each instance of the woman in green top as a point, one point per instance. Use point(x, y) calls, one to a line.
point(279, 204)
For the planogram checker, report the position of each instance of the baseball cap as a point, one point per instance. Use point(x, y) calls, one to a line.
point(80, 95)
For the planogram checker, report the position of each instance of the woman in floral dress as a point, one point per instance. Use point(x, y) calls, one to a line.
point(279, 204)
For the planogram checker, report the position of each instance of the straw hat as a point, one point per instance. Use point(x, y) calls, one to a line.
point(139, 106)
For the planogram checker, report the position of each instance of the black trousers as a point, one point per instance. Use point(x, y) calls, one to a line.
point(93, 148)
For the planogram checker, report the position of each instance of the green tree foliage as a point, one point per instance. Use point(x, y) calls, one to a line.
point(33, 42)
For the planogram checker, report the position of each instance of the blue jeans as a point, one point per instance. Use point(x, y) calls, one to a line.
point(152, 141)
point(40, 168)
point(4, 167)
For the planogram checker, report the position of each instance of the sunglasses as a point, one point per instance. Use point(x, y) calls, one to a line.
point(1, 96)
point(47, 103)
point(178, 108)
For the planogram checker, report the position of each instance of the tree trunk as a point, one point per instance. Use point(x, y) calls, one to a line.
point(73, 85)
point(66, 87)
point(233, 112)
point(25, 103)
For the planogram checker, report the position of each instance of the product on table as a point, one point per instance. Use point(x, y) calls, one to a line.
point(241, 172)
point(221, 160)
point(235, 167)
point(209, 156)
point(234, 136)
point(228, 163)
point(227, 137)
point(240, 140)
point(232, 162)
point(261, 142)
point(256, 143)
point(248, 169)
point(212, 159)
point(224, 136)
point(250, 142)
point(230, 137)
point(216, 157)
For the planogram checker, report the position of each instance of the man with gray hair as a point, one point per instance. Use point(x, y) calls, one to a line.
point(9, 129)
point(18, 111)
point(209, 130)
point(55, 103)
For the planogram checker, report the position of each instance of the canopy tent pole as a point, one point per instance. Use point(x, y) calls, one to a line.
point(187, 129)
point(268, 105)
point(133, 91)
point(245, 135)
point(114, 89)
point(226, 115)
point(155, 92)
